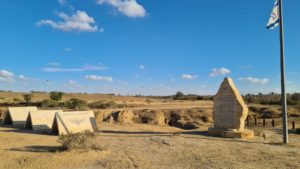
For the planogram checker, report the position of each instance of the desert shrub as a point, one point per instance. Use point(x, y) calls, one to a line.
point(56, 96)
point(50, 104)
point(17, 100)
point(103, 105)
point(27, 98)
point(76, 104)
point(265, 112)
point(78, 141)
point(179, 95)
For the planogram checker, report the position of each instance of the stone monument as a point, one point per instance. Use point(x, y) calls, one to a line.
point(229, 113)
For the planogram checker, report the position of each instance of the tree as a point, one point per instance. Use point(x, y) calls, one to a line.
point(56, 96)
point(27, 98)
point(179, 95)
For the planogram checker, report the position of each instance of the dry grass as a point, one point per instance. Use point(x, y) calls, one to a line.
point(78, 142)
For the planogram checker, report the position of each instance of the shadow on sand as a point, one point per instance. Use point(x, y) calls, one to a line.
point(21, 129)
point(201, 135)
point(38, 149)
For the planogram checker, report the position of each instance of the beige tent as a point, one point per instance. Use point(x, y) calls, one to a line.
point(17, 115)
point(73, 122)
point(41, 120)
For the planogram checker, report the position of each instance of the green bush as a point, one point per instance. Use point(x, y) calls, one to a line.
point(17, 100)
point(104, 105)
point(76, 104)
point(50, 104)
point(27, 98)
point(56, 96)
point(265, 112)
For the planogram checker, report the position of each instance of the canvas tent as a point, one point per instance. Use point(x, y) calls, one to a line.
point(73, 122)
point(41, 120)
point(17, 115)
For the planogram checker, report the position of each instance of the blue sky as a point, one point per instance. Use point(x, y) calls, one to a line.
point(151, 47)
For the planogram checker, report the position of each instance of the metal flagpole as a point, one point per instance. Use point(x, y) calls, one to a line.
point(282, 67)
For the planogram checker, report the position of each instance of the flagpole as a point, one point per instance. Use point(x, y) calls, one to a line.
point(282, 68)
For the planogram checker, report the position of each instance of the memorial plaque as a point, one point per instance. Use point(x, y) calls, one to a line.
point(229, 112)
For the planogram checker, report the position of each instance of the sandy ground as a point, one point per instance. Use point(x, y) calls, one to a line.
point(147, 146)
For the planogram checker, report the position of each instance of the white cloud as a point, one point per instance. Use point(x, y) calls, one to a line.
point(68, 49)
point(54, 64)
point(62, 2)
point(80, 69)
point(99, 78)
point(255, 80)
point(142, 67)
point(219, 72)
point(189, 77)
point(73, 83)
point(6, 76)
point(130, 8)
point(173, 80)
point(292, 72)
point(22, 77)
point(78, 22)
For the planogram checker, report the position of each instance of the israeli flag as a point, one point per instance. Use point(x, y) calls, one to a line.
point(275, 18)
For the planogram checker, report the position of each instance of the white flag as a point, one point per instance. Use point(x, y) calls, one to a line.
point(275, 18)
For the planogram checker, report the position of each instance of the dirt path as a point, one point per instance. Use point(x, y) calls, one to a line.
point(146, 146)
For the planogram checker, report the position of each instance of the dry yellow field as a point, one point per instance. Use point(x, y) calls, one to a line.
point(136, 145)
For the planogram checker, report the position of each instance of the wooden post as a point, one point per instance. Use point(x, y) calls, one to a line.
point(264, 121)
point(255, 121)
point(294, 125)
point(273, 123)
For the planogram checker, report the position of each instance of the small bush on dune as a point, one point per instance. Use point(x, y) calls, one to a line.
point(78, 141)
point(49, 104)
point(103, 105)
point(27, 98)
point(265, 112)
point(76, 104)
point(56, 96)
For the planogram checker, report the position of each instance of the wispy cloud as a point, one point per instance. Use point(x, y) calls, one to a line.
point(54, 64)
point(22, 77)
point(78, 22)
point(130, 8)
point(80, 69)
point(99, 78)
point(6, 76)
point(246, 67)
point(219, 72)
point(68, 49)
point(62, 2)
point(189, 77)
point(253, 80)
point(73, 83)
point(292, 72)
point(142, 67)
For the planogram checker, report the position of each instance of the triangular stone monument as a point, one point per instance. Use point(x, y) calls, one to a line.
point(229, 113)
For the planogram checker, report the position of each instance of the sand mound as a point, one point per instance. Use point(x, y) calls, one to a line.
point(154, 117)
point(184, 119)
point(125, 117)
point(159, 119)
